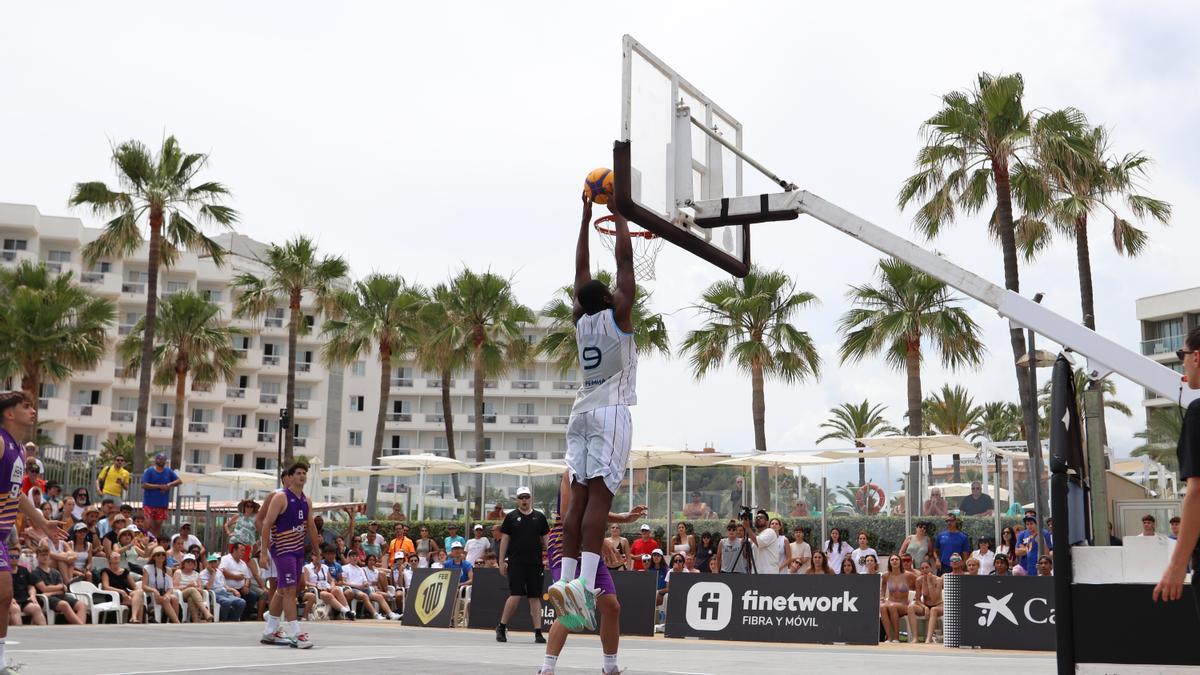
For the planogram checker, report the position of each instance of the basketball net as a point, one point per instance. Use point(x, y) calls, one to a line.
point(646, 245)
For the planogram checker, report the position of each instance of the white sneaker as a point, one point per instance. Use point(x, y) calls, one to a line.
point(379, 617)
point(301, 641)
point(276, 638)
point(392, 616)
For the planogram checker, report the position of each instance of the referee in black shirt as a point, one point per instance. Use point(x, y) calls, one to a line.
point(1170, 587)
point(522, 541)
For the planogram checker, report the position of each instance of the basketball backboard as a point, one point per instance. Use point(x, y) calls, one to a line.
point(656, 137)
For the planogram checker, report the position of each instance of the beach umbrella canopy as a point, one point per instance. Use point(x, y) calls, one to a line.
point(522, 467)
point(430, 464)
point(907, 446)
point(781, 460)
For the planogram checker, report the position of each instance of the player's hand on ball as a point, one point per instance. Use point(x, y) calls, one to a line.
point(587, 206)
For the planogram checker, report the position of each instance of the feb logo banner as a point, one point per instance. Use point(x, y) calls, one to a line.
point(431, 598)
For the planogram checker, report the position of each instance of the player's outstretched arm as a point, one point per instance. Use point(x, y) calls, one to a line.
point(626, 286)
point(583, 273)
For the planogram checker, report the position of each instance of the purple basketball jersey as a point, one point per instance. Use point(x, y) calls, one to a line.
point(288, 534)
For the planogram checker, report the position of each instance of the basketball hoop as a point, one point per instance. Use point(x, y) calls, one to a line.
point(646, 246)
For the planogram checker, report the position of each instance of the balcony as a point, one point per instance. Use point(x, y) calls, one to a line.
point(161, 422)
point(11, 256)
point(266, 437)
point(397, 418)
point(133, 288)
point(301, 404)
point(566, 384)
point(100, 373)
point(560, 419)
point(398, 382)
point(303, 366)
point(206, 391)
point(489, 384)
point(124, 329)
point(233, 432)
point(271, 399)
point(81, 410)
point(1161, 346)
point(271, 360)
point(435, 418)
point(241, 353)
point(124, 416)
point(197, 427)
point(522, 419)
point(300, 442)
point(487, 419)
point(525, 384)
point(437, 383)
point(101, 284)
point(204, 432)
point(273, 322)
point(89, 415)
point(235, 392)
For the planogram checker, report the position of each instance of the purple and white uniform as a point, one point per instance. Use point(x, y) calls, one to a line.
point(604, 580)
point(12, 472)
point(287, 539)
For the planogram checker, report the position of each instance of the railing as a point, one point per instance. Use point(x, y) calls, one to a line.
point(124, 329)
point(133, 287)
point(233, 432)
point(402, 382)
point(54, 267)
point(268, 398)
point(1163, 345)
point(299, 442)
point(560, 419)
point(119, 372)
point(193, 468)
point(273, 322)
point(435, 417)
point(79, 410)
point(123, 415)
point(487, 419)
point(563, 384)
point(301, 404)
point(437, 384)
point(398, 417)
point(43, 404)
point(236, 392)
point(522, 419)
point(202, 387)
point(303, 366)
point(198, 427)
point(241, 353)
point(270, 359)
point(523, 455)
point(489, 384)
point(92, 277)
point(161, 422)
point(525, 384)
point(558, 454)
point(397, 451)
point(7, 255)
point(266, 437)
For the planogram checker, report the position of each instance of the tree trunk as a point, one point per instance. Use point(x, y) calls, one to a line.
point(149, 322)
point(178, 422)
point(758, 407)
point(478, 406)
point(385, 377)
point(912, 368)
point(294, 317)
point(30, 384)
point(448, 422)
point(1083, 260)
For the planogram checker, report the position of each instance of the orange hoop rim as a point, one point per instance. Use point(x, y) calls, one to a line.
point(612, 232)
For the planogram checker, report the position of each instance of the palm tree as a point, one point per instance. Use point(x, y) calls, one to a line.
point(380, 314)
point(749, 320)
point(441, 349)
point(649, 329)
point(973, 146)
point(192, 339)
point(160, 192)
point(1163, 427)
point(483, 313)
point(49, 327)
point(952, 411)
point(997, 421)
point(906, 314)
point(118, 445)
point(291, 271)
point(850, 422)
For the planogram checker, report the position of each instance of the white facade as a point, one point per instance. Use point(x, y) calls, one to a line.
point(234, 424)
point(1165, 320)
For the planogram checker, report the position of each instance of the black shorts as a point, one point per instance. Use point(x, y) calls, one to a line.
point(525, 579)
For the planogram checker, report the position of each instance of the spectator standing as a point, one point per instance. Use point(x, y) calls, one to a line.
point(643, 545)
point(496, 513)
point(523, 539)
point(781, 541)
point(683, 542)
point(730, 558)
point(1002, 566)
point(696, 509)
point(33, 479)
point(232, 606)
point(1149, 528)
point(985, 555)
point(951, 542)
point(1045, 566)
point(919, 546)
point(400, 543)
point(835, 550)
point(864, 549)
point(236, 571)
point(1008, 542)
point(452, 536)
point(50, 583)
point(157, 483)
point(936, 504)
point(239, 528)
point(976, 503)
point(705, 551)
point(477, 545)
point(31, 452)
point(185, 533)
point(765, 543)
point(497, 535)
point(113, 480)
point(1175, 520)
point(800, 550)
point(1027, 545)
point(373, 542)
point(737, 496)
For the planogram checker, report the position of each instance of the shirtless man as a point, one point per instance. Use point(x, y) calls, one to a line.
point(927, 604)
point(696, 509)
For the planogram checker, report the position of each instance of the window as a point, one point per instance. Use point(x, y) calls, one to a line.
point(526, 374)
point(529, 339)
point(310, 321)
point(439, 442)
point(354, 439)
point(357, 403)
point(264, 463)
point(132, 317)
point(136, 276)
point(301, 431)
point(564, 409)
point(270, 387)
point(489, 408)
point(265, 426)
point(234, 460)
point(358, 369)
point(400, 442)
point(200, 456)
point(210, 295)
point(58, 256)
point(83, 442)
point(102, 267)
point(50, 390)
point(526, 409)
point(202, 414)
point(271, 349)
point(16, 245)
point(126, 403)
point(235, 421)
point(525, 445)
point(241, 342)
point(303, 393)
point(402, 406)
point(404, 373)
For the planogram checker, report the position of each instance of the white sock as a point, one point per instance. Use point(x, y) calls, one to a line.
point(272, 624)
point(293, 628)
point(3, 663)
point(548, 664)
point(569, 566)
point(588, 565)
point(610, 663)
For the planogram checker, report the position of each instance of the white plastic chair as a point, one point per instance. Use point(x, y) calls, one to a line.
point(50, 613)
point(87, 591)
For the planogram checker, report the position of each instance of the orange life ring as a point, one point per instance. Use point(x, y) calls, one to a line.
point(861, 498)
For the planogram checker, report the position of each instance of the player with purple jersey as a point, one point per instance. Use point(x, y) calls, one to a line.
point(289, 517)
point(18, 419)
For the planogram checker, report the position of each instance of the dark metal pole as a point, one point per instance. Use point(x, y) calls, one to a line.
point(1034, 443)
point(1061, 439)
point(283, 422)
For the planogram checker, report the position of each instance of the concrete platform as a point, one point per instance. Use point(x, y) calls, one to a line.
point(370, 646)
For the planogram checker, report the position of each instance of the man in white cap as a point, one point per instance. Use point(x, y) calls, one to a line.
point(477, 545)
point(522, 540)
point(643, 546)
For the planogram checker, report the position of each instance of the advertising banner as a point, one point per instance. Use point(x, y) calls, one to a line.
point(775, 608)
point(999, 612)
point(431, 597)
point(635, 592)
point(1121, 623)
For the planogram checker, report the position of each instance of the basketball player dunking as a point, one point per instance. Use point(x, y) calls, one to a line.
point(289, 518)
point(599, 431)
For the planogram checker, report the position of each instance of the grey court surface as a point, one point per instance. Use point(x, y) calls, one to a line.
point(387, 647)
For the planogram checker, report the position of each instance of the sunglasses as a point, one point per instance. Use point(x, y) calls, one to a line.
point(1181, 354)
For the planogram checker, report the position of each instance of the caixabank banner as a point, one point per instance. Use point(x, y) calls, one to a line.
point(431, 597)
point(999, 612)
point(775, 607)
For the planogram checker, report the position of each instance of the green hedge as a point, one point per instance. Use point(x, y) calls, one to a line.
point(886, 533)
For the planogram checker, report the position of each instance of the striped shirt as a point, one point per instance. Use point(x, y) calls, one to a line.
point(287, 536)
point(608, 357)
point(12, 473)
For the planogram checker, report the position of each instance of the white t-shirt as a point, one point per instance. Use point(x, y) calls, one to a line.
point(986, 561)
point(859, 557)
point(189, 542)
point(404, 577)
point(237, 567)
point(218, 584)
point(766, 552)
point(476, 548)
point(315, 577)
point(836, 554)
point(353, 574)
point(801, 550)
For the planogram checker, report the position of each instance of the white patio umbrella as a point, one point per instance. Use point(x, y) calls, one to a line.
point(654, 456)
point(522, 467)
point(235, 479)
point(920, 446)
point(777, 460)
point(427, 465)
point(382, 470)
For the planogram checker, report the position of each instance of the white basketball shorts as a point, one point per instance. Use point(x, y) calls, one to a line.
point(598, 443)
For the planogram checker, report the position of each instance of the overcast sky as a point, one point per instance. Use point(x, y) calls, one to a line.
point(416, 141)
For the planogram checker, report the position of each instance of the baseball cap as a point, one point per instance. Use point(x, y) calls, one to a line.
point(955, 557)
point(478, 526)
point(451, 526)
point(78, 526)
point(189, 556)
point(213, 557)
point(644, 527)
point(524, 490)
point(159, 455)
point(185, 524)
point(645, 557)
point(131, 528)
point(1030, 519)
point(399, 555)
point(657, 551)
point(457, 544)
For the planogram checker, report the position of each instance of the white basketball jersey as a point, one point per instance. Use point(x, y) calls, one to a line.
point(608, 359)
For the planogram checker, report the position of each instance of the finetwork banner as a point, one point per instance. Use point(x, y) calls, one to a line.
point(775, 607)
point(999, 612)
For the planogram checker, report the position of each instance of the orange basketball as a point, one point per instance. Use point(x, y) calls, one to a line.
point(599, 185)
